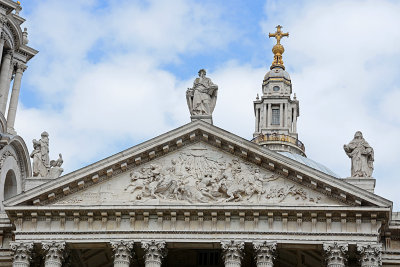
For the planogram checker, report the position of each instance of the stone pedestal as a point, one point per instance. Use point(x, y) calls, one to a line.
point(122, 253)
point(232, 253)
point(22, 253)
point(154, 253)
point(370, 255)
point(54, 254)
point(206, 118)
point(265, 253)
point(32, 182)
point(367, 183)
point(335, 254)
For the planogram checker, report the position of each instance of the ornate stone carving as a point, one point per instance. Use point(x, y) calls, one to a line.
point(362, 156)
point(42, 166)
point(122, 253)
point(202, 97)
point(199, 174)
point(370, 255)
point(232, 252)
point(335, 254)
point(22, 253)
point(155, 251)
point(54, 253)
point(265, 253)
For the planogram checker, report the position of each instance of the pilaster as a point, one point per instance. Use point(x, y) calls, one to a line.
point(4, 80)
point(370, 255)
point(122, 253)
point(12, 110)
point(335, 254)
point(155, 251)
point(54, 253)
point(22, 253)
point(232, 253)
point(265, 253)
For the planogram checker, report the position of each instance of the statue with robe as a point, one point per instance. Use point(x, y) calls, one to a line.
point(362, 156)
point(202, 97)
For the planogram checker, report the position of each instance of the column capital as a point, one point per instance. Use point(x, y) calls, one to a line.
point(155, 251)
point(336, 254)
point(370, 254)
point(9, 53)
point(3, 20)
point(232, 252)
point(54, 253)
point(122, 252)
point(21, 67)
point(265, 253)
point(22, 252)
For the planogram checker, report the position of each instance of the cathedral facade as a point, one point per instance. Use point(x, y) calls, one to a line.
point(195, 196)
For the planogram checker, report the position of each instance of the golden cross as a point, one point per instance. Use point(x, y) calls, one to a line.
point(278, 34)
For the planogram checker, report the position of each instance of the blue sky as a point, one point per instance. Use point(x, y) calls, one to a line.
point(111, 74)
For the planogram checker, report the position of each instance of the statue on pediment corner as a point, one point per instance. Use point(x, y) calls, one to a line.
point(362, 156)
point(42, 166)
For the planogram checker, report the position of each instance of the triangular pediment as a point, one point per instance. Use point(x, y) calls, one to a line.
point(197, 163)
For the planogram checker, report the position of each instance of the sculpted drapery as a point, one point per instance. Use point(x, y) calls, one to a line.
point(362, 156)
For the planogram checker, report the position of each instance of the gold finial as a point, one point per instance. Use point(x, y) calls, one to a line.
point(18, 2)
point(278, 48)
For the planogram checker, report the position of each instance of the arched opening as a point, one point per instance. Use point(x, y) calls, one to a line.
point(10, 185)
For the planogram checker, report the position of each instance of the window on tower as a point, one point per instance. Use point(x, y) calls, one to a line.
point(275, 88)
point(275, 116)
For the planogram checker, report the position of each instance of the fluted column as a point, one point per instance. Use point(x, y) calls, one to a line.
point(154, 253)
point(265, 253)
point(22, 253)
point(335, 254)
point(12, 110)
point(54, 253)
point(370, 255)
point(232, 253)
point(122, 253)
point(4, 80)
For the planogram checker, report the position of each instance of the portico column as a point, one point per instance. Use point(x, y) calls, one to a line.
point(265, 253)
point(122, 253)
point(335, 254)
point(370, 255)
point(54, 253)
point(4, 80)
point(22, 253)
point(12, 110)
point(232, 253)
point(154, 253)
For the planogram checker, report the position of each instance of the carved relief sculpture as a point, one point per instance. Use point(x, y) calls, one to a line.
point(42, 166)
point(362, 156)
point(202, 97)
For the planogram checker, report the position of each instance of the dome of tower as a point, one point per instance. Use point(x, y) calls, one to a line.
point(277, 72)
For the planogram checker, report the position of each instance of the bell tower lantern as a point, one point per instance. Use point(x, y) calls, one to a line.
point(276, 112)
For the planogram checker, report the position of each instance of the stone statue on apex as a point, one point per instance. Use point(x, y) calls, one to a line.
point(201, 99)
point(362, 156)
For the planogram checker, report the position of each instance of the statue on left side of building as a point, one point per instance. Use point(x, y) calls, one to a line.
point(42, 166)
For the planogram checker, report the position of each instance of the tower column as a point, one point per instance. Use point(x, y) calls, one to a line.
point(232, 253)
point(295, 120)
point(122, 253)
point(257, 120)
point(370, 255)
point(4, 80)
point(265, 253)
point(54, 253)
point(281, 114)
point(335, 254)
point(22, 253)
point(269, 115)
point(12, 110)
point(154, 253)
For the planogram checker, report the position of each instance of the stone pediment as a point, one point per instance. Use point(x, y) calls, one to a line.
point(198, 174)
point(197, 163)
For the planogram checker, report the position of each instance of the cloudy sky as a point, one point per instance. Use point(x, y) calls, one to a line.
point(112, 74)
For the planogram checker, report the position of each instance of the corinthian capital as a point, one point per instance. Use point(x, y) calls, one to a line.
point(22, 252)
point(122, 252)
point(21, 67)
point(232, 252)
point(336, 254)
point(265, 253)
point(370, 255)
point(155, 251)
point(54, 252)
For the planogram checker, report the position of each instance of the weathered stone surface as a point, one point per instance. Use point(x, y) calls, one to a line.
point(362, 156)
